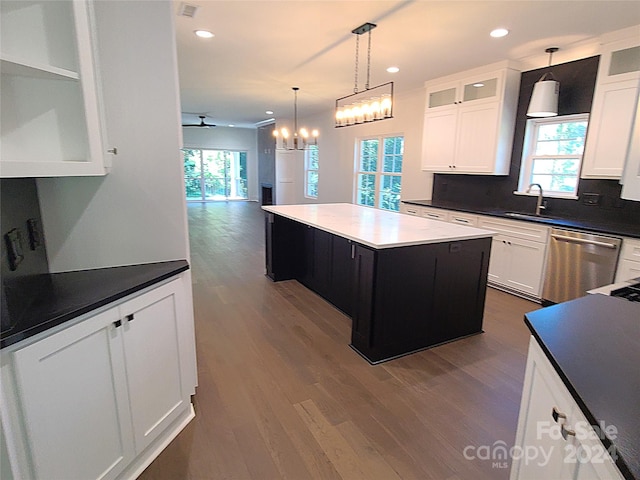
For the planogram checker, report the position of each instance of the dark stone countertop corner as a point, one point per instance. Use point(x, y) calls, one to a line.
point(37, 303)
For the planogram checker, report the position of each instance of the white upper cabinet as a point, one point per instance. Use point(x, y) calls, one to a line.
point(613, 110)
point(469, 121)
point(50, 116)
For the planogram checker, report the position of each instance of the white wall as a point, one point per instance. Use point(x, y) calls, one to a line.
point(336, 149)
point(137, 213)
point(229, 138)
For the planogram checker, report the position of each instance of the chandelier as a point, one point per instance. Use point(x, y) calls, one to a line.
point(371, 104)
point(300, 139)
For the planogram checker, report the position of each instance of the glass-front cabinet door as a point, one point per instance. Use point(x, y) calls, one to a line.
point(620, 61)
point(483, 88)
point(442, 95)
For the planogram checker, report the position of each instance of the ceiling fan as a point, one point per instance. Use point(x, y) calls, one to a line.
point(201, 124)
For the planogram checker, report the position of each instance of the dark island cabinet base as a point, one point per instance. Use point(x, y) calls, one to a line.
point(400, 299)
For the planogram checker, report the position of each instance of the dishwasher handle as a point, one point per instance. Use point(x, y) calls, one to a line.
point(612, 246)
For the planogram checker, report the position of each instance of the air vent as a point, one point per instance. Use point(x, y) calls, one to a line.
point(187, 10)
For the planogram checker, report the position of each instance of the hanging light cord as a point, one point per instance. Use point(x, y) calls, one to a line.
point(366, 86)
point(355, 85)
point(549, 74)
point(295, 111)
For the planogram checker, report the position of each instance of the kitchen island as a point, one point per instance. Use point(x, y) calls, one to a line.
point(407, 283)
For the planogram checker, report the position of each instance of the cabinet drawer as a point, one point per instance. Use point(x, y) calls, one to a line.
point(524, 230)
point(630, 250)
point(410, 209)
point(435, 214)
point(463, 219)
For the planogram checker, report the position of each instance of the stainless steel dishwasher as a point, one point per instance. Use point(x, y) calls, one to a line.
point(577, 262)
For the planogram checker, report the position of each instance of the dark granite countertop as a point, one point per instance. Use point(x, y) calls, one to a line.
point(593, 343)
point(627, 230)
point(40, 302)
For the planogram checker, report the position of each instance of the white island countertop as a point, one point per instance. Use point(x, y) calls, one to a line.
point(376, 228)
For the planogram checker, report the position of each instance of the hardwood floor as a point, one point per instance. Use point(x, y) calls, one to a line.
point(282, 396)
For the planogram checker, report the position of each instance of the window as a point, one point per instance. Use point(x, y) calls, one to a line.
point(552, 154)
point(379, 172)
point(311, 172)
point(215, 174)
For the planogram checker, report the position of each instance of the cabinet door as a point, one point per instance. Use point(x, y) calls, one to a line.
point(526, 264)
point(592, 460)
point(73, 392)
point(342, 261)
point(316, 260)
point(439, 140)
point(499, 260)
point(157, 388)
point(542, 393)
point(442, 96)
point(476, 138)
point(482, 88)
point(610, 127)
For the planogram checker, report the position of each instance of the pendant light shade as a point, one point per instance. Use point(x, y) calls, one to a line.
point(544, 100)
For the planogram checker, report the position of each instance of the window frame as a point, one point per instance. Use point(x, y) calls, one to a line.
point(379, 172)
point(308, 170)
point(528, 156)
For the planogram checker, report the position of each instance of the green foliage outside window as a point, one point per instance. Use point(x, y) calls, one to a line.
point(378, 182)
point(215, 174)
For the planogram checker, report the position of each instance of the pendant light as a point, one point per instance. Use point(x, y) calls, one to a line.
point(544, 100)
point(300, 139)
point(368, 105)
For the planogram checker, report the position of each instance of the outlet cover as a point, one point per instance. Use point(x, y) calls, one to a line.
point(13, 240)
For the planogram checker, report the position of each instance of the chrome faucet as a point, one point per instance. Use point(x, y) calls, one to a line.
point(539, 205)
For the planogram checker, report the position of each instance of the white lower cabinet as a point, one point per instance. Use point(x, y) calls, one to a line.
point(74, 398)
point(95, 395)
point(629, 263)
point(518, 255)
point(553, 439)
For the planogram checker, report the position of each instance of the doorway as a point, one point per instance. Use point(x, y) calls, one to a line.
point(211, 175)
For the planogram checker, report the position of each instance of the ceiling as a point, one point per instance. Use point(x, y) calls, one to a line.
point(263, 48)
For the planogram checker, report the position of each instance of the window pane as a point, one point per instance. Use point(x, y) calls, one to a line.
point(312, 183)
point(312, 157)
point(390, 192)
point(366, 189)
point(565, 138)
point(393, 149)
point(368, 155)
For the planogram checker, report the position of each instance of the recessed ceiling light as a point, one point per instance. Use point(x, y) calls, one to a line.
point(231, 125)
point(269, 112)
point(499, 32)
point(204, 33)
point(478, 85)
point(393, 69)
